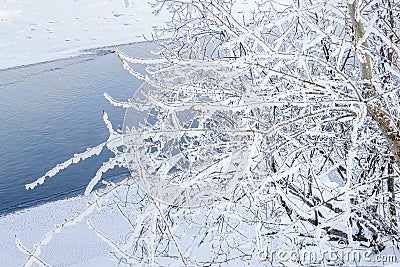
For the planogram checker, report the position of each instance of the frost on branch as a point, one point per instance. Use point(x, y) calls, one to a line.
point(75, 159)
point(112, 143)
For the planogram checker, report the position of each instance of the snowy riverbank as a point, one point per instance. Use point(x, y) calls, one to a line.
point(73, 246)
point(42, 30)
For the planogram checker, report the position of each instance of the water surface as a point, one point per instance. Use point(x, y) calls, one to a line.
point(50, 111)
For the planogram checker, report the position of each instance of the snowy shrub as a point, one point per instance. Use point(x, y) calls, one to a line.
point(261, 126)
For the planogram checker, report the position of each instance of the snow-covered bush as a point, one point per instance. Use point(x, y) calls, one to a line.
point(261, 126)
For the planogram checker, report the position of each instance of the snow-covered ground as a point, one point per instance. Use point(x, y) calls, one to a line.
point(42, 30)
point(73, 246)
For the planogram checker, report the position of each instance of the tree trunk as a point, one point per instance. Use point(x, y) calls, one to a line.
point(377, 108)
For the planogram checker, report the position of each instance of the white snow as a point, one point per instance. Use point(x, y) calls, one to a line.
point(42, 30)
point(73, 246)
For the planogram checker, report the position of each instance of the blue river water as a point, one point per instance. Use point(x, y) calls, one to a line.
point(50, 111)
